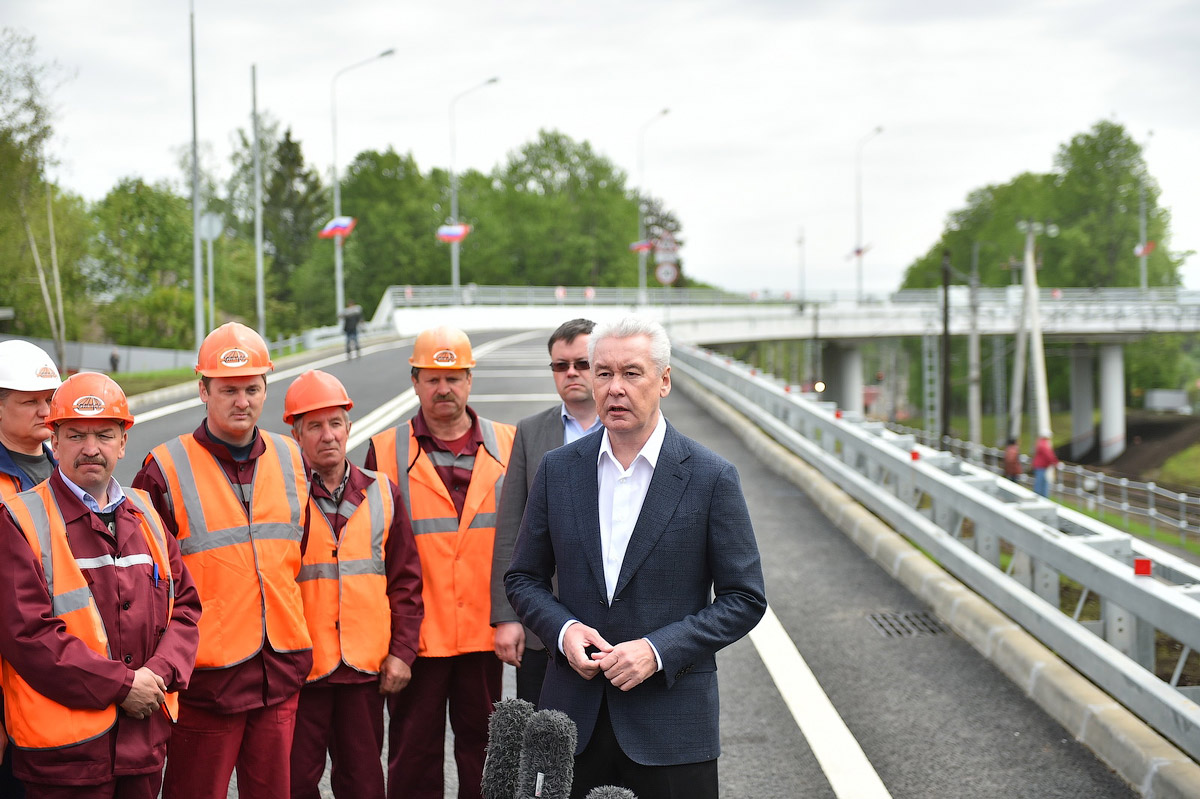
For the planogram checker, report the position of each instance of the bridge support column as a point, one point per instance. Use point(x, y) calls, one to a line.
point(1083, 402)
point(849, 378)
point(1112, 402)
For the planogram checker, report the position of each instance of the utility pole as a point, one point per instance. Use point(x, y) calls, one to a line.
point(945, 360)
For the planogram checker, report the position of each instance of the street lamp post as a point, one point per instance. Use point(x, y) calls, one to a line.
point(1037, 354)
point(339, 282)
point(456, 245)
point(641, 157)
point(858, 242)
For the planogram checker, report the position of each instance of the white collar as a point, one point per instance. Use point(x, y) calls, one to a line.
point(649, 451)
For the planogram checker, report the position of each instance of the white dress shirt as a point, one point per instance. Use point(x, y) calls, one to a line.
point(621, 494)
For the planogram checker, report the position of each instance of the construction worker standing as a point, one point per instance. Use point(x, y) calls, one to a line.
point(28, 378)
point(361, 582)
point(449, 464)
point(99, 615)
point(235, 497)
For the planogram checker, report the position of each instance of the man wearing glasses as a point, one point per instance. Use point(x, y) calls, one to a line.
point(537, 435)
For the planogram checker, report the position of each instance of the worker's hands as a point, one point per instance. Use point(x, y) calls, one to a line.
point(628, 664)
point(146, 695)
point(394, 675)
point(576, 640)
point(510, 642)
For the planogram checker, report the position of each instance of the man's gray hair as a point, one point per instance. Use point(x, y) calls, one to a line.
point(629, 326)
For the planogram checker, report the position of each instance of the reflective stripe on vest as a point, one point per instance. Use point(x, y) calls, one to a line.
point(35, 721)
point(455, 553)
point(244, 568)
point(344, 583)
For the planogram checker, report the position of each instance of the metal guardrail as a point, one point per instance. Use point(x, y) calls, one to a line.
point(398, 297)
point(1146, 502)
point(966, 517)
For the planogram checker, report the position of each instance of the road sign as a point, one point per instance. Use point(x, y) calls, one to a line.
point(666, 249)
point(667, 273)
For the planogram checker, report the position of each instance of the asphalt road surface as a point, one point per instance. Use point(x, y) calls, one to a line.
point(919, 716)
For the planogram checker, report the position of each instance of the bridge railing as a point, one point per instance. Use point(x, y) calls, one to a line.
point(1066, 578)
point(397, 297)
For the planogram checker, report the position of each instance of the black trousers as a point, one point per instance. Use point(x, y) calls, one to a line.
point(531, 675)
point(603, 763)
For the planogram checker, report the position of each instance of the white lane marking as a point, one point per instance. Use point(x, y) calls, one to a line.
point(846, 767)
point(543, 398)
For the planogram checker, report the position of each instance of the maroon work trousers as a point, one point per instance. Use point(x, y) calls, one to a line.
point(141, 786)
point(205, 748)
point(471, 684)
point(347, 722)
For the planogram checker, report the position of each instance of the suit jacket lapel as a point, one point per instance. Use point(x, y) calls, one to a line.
point(585, 498)
point(670, 478)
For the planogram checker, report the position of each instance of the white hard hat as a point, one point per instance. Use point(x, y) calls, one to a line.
point(26, 367)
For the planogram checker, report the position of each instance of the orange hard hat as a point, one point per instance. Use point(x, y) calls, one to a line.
point(442, 348)
point(233, 350)
point(89, 395)
point(314, 390)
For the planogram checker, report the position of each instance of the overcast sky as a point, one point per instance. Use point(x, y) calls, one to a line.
point(769, 101)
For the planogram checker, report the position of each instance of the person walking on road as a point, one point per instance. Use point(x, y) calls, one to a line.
point(449, 463)
point(351, 317)
point(28, 378)
point(657, 569)
point(98, 616)
point(235, 496)
point(568, 421)
point(1012, 461)
point(1044, 459)
point(360, 577)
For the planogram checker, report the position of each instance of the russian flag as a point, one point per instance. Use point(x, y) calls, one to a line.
point(338, 226)
point(453, 232)
point(642, 246)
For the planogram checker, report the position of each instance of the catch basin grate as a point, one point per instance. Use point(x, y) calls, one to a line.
point(906, 625)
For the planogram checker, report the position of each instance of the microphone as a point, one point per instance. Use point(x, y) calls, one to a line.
point(547, 757)
point(610, 792)
point(506, 729)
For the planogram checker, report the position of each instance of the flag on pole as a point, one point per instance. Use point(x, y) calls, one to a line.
point(645, 245)
point(1143, 249)
point(453, 232)
point(338, 226)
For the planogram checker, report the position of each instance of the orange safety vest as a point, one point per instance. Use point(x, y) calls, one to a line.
point(456, 554)
point(33, 720)
point(344, 583)
point(10, 486)
point(245, 568)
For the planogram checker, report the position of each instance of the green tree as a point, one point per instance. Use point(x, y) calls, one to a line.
point(294, 206)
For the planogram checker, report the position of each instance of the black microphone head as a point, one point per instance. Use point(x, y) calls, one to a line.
point(610, 792)
point(547, 757)
point(506, 731)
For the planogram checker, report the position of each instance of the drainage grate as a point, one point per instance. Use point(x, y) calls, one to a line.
point(906, 625)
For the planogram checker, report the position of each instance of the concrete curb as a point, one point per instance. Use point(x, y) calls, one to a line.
point(1150, 763)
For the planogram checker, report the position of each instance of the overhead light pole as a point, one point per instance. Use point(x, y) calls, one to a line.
point(338, 278)
point(456, 245)
point(641, 164)
point(858, 242)
point(197, 268)
point(1037, 354)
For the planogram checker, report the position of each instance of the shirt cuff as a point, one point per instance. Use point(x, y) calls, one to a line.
point(657, 657)
point(563, 632)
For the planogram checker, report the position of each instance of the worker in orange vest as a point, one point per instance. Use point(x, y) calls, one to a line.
point(235, 497)
point(361, 581)
point(449, 463)
point(98, 616)
point(28, 378)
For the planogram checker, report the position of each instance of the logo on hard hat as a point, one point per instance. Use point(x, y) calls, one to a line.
point(46, 371)
point(88, 405)
point(234, 357)
point(445, 357)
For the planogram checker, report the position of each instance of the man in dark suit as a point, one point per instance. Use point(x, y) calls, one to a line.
point(569, 421)
point(643, 525)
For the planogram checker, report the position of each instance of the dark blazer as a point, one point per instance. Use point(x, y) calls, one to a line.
point(536, 435)
point(692, 539)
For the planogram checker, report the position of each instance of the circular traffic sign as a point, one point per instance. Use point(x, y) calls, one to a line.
point(667, 273)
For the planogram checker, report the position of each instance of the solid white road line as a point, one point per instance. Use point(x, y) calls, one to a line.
point(846, 767)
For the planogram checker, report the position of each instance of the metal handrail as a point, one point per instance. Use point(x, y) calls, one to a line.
point(963, 515)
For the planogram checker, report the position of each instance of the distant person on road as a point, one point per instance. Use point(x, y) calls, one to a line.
point(236, 497)
point(568, 421)
point(1044, 459)
point(28, 378)
point(1012, 461)
point(360, 577)
point(97, 613)
point(114, 359)
point(449, 463)
point(351, 317)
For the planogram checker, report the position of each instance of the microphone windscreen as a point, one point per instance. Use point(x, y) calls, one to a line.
point(547, 757)
point(506, 731)
point(610, 792)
